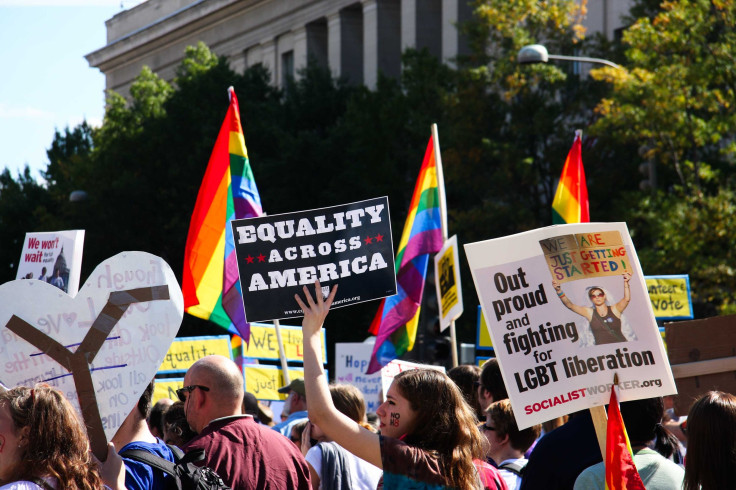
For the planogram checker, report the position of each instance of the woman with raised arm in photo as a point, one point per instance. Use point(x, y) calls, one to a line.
point(429, 438)
point(43, 445)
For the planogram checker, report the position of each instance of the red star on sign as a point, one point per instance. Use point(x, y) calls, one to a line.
point(368, 240)
point(379, 238)
point(261, 258)
point(249, 259)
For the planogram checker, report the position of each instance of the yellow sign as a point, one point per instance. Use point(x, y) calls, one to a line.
point(166, 388)
point(184, 351)
point(483, 338)
point(447, 283)
point(264, 381)
point(263, 343)
point(670, 296)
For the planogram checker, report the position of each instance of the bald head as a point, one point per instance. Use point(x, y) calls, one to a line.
point(225, 394)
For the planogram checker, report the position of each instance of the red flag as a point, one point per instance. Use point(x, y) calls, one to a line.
point(570, 204)
point(621, 474)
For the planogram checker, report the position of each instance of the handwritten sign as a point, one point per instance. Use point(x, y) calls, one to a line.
point(351, 361)
point(585, 255)
point(564, 318)
point(102, 347)
point(166, 388)
point(390, 370)
point(447, 283)
point(185, 351)
point(264, 381)
point(263, 343)
point(670, 296)
point(349, 245)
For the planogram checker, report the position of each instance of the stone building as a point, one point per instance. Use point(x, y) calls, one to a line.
point(354, 38)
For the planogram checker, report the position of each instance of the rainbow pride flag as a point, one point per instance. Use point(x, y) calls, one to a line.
point(570, 204)
point(621, 473)
point(395, 323)
point(210, 281)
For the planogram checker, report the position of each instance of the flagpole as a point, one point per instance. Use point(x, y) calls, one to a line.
point(282, 354)
point(600, 421)
point(443, 220)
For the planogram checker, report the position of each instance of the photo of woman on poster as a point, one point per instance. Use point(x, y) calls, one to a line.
point(606, 323)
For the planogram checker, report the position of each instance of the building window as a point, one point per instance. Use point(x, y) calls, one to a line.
point(287, 67)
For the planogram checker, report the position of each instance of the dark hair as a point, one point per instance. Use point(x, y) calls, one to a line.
point(444, 424)
point(505, 424)
point(491, 380)
point(643, 419)
point(57, 441)
point(144, 402)
point(711, 443)
point(175, 421)
point(465, 377)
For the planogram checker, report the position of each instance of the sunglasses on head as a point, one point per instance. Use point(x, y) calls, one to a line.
point(181, 393)
point(597, 295)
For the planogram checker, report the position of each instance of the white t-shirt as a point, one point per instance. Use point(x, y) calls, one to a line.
point(513, 481)
point(28, 485)
point(364, 476)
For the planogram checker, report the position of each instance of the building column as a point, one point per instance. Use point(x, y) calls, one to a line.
point(381, 39)
point(422, 27)
point(345, 44)
point(300, 51)
point(268, 58)
point(454, 13)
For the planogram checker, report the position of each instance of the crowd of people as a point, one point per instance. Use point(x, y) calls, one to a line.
point(433, 431)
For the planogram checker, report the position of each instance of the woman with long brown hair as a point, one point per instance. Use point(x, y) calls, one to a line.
point(429, 437)
point(43, 445)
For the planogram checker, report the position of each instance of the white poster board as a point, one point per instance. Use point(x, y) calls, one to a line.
point(351, 362)
point(552, 360)
point(447, 283)
point(390, 370)
point(54, 257)
point(124, 319)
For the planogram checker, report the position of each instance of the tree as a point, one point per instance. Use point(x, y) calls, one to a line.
point(675, 101)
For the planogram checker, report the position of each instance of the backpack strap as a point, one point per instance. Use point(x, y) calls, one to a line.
point(151, 460)
point(515, 468)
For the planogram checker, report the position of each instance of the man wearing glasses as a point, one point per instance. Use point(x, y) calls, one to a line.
point(605, 320)
point(246, 454)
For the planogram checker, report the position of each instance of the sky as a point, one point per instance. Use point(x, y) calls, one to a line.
point(45, 82)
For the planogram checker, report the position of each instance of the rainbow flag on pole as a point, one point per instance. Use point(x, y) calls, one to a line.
point(621, 473)
point(395, 323)
point(210, 281)
point(570, 204)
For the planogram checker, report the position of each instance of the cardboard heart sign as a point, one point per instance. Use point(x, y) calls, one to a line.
point(102, 347)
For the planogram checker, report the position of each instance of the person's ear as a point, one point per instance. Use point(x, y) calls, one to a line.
point(504, 439)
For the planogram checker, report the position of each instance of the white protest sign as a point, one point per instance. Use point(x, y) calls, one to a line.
point(447, 283)
point(100, 348)
point(351, 362)
point(54, 257)
point(559, 350)
point(390, 370)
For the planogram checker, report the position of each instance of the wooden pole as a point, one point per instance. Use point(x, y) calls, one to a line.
point(600, 421)
point(282, 354)
point(443, 216)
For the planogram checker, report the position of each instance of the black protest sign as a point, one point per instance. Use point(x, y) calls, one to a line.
point(349, 245)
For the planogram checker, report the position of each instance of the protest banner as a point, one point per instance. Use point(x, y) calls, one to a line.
point(166, 388)
point(100, 348)
point(185, 351)
point(447, 283)
point(263, 344)
point(702, 356)
point(264, 381)
point(670, 296)
point(54, 257)
point(390, 370)
point(351, 361)
point(349, 245)
point(482, 337)
point(567, 308)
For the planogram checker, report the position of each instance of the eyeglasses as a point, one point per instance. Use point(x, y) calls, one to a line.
point(597, 295)
point(181, 393)
point(487, 427)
